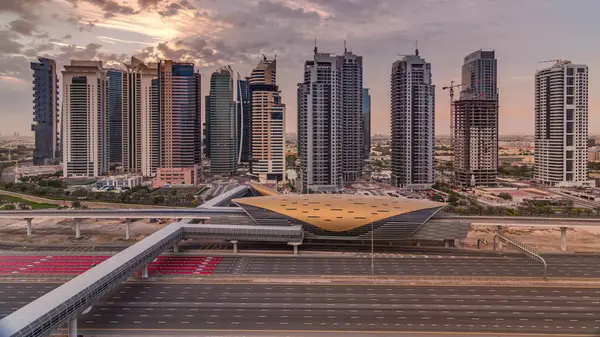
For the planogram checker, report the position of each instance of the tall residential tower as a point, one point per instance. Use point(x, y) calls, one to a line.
point(320, 124)
point(352, 111)
point(476, 122)
point(222, 124)
point(413, 123)
point(561, 125)
point(140, 119)
point(85, 119)
point(268, 124)
point(243, 115)
point(115, 116)
point(180, 103)
point(366, 124)
point(45, 112)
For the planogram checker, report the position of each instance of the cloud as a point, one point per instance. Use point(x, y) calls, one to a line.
point(21, 26)
point(24, 8)
point(173, 8)
point(15, 68)
point(8, 44)
point(203, 52)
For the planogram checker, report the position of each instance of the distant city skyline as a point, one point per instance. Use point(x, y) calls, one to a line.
point(216, 33)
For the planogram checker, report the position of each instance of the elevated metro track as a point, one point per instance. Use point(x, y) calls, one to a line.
point(207, 213)
point(518, 220)
point(192, 213)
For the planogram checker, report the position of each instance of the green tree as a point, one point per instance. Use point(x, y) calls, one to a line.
point(505, 196)
point(569, 209)
point(76, 204)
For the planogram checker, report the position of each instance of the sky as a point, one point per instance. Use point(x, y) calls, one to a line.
point(214, 33)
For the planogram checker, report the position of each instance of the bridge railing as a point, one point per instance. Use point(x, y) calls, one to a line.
point(531, 252)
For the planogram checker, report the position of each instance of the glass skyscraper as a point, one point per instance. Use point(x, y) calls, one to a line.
point(45, 112)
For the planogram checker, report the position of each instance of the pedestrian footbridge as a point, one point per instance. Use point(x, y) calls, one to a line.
point(62, 305)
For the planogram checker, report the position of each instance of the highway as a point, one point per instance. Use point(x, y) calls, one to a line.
point(508, 265)
point(397, 265)
point(204, 309)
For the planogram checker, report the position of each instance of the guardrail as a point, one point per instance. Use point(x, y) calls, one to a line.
point(530, 252)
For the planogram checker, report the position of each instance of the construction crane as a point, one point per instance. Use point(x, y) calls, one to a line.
point(450, 88)
point(556, 61)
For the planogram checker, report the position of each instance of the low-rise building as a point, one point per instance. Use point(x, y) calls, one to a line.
point(120, 182)
point(177, 176)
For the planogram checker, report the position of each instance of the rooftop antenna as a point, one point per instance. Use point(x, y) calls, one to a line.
point(345, 50)
point(417, 47)
point(264, 56)
point(315, 45)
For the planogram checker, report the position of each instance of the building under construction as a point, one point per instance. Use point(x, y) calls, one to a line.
point(475, 142)
point(476, 122)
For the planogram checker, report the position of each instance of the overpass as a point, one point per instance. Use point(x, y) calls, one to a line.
point(63, 304)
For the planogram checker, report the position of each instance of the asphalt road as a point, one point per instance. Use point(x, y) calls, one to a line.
point(310, 309)
point(509, 265)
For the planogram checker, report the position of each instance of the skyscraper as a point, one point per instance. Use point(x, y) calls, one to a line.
point(366, 124)
point(268, 124)
point(45, 112)
point(352, 128)
point(85, 119)
point(243, 116)
point(413, 123)
point(140, 119)
point(180, 103)
point(222, 124)
point(115, 116)
point(476, 122)
point(561, 125)
point(320, 124)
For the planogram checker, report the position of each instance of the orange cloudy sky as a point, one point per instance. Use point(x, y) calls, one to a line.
point(212, 33)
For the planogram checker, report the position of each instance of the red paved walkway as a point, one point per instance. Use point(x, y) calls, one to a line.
point(163, 265)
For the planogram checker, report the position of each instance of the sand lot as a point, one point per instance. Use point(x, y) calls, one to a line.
point(51, 231)
point(546, 239)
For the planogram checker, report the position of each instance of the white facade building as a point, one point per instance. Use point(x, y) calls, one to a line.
point(268, 123)
point(561, 125)
point(320, 124)
point(413, 123)
point(140, 121)
point(85, 119)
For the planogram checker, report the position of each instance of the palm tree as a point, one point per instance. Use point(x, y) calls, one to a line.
point(597, 209)
point(76, 204)
point(589, 212)
point(569, 209)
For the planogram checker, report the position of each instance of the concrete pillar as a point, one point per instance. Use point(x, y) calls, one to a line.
point(235, 250)
point(295, 245)
point(176, 248)
point(501, 233)
point(29, 226)
point(77, 230)
point(73, 327)
point(418, 243)
point(127, 228)
point(447, 243)
point(563, 239)
point(145, 271)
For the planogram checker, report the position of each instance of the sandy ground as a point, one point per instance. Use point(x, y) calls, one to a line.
point(49, 231)
point(112, 232)
point(546, 239)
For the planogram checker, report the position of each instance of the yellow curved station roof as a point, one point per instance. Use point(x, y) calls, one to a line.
point(338, 212)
